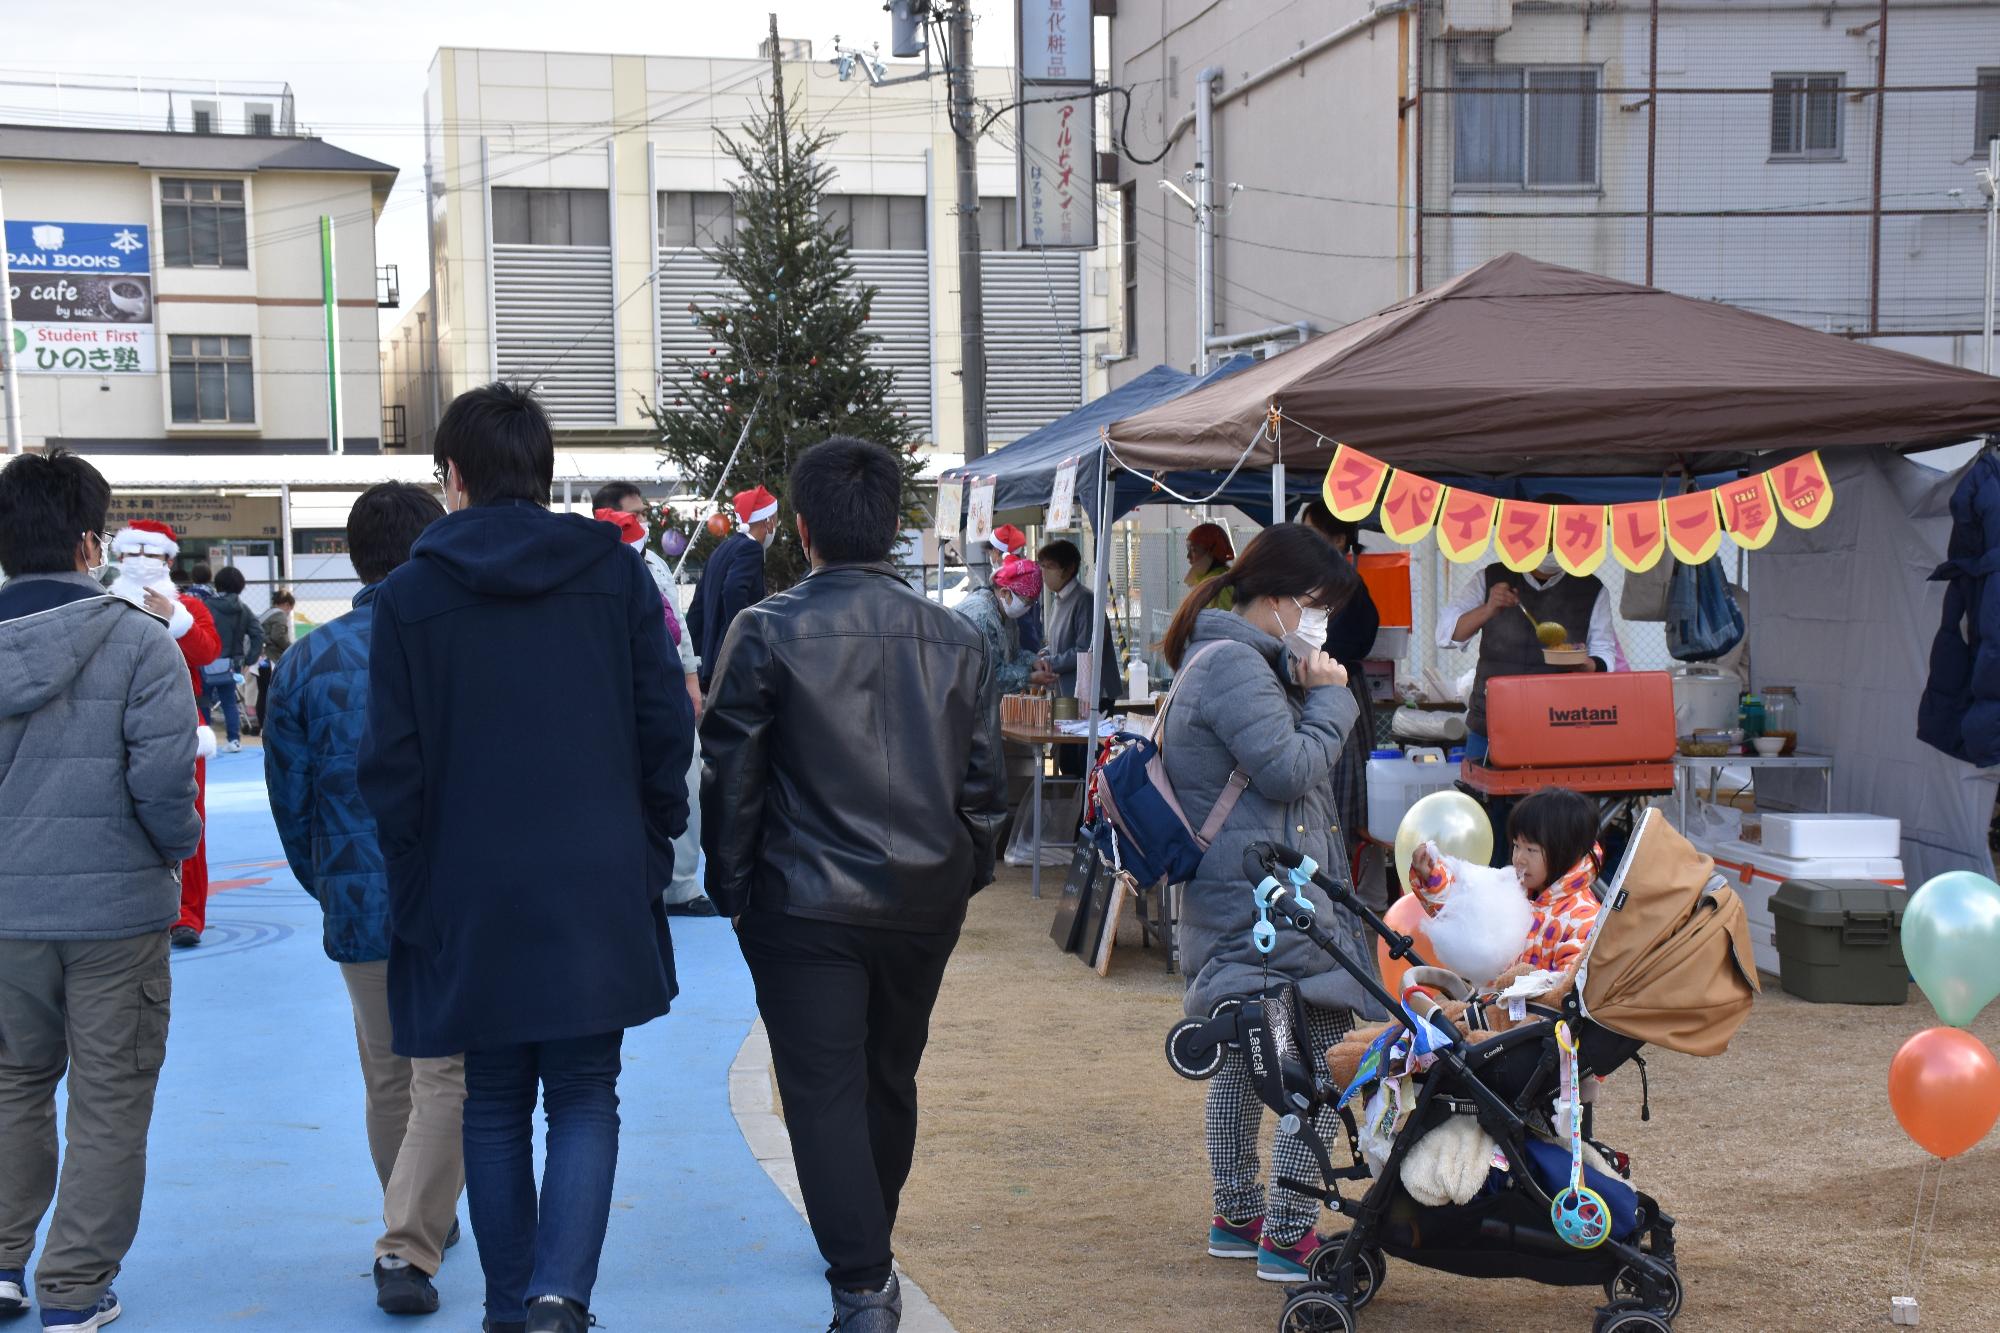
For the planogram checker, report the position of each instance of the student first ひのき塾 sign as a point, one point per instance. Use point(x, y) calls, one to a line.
point(82, 297)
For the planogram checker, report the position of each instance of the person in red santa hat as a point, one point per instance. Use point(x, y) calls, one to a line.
point(1010, 543)
point(733, 578)
point(145, 552)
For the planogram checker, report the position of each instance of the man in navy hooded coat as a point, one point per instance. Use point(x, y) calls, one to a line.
point(526, 759)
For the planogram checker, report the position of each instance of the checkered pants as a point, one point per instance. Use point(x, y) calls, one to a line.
point(1235, 1120)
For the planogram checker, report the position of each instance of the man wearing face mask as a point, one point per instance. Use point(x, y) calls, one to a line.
point(733, 578)
point(997, 611)
point(1501, 609)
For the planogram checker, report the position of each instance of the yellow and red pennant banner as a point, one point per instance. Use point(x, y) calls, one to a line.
point(1749, 513)
point(1579, 538)
point(1464, 525)
point(1638, 535)
point(1410, 506)
point(1805, 496)
point(1352, 484)
point(1694, 531)
point(1521, 534)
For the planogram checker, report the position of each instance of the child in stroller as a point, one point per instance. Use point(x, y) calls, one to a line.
point(1667, 963)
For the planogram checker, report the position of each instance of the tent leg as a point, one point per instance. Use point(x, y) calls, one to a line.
point(1277, 492)
point(1100, 601)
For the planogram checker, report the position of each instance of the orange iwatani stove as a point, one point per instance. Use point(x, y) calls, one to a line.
point(1605, 733)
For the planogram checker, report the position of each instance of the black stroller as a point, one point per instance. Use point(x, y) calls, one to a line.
point(1668, 925)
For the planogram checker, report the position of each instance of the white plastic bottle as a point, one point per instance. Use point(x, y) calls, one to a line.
point(1137, 685)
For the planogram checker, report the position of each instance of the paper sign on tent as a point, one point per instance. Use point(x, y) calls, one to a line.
point(1521, 534)
point(1638, 535)
point(1410, 506)
point(1352, 484)
point(1579, 538)
point(950, 506)
point(1062, 502)
point(1465, 524)
point(1748, 511)
point(1694, 532)
point(979, 513)
point(1805, 495)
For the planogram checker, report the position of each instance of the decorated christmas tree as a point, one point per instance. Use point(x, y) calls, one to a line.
point(789, 345)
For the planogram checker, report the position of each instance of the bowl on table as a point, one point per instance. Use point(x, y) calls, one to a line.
point(1770, 747)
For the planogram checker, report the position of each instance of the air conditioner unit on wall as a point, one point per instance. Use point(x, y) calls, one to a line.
point(1467, 17)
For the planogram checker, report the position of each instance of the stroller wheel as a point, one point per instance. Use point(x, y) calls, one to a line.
point(1629, 1288)
point(1315, 1310)
point(1629, 1320)
point(1189, 1060)
point(1369, 1272)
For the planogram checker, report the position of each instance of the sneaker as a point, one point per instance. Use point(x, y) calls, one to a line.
point(868, 1311)
point(1291, 1263)
point(503, 1326)
point(13, 1292)
point(692, 907)
point(451, 1238)
point(557, 1314)
point(234, 747)
point(79, 1321)
point(1235, 1240)
point(403, 1288)
point(186, 937)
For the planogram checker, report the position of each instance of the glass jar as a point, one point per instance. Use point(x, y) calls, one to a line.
point(1781, 715)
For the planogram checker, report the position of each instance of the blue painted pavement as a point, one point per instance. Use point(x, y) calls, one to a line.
point(261, 1204)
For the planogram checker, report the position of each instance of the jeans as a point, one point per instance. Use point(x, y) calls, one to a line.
point(222, 690)
point(848, 1010)
point(546, 1246)
point(1498, 808)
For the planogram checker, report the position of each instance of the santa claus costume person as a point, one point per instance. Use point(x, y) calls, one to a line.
point(145, 551)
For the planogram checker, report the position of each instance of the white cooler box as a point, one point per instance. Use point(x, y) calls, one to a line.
point(1845, 836)
point(1394, 785)
point(1755, 873)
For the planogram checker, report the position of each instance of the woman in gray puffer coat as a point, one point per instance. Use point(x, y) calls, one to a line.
point(1258, 694)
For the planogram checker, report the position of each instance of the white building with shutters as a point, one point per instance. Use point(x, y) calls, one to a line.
point(571, 198)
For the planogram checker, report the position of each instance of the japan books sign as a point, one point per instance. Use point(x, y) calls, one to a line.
point(82, 298)
point(1055, 130)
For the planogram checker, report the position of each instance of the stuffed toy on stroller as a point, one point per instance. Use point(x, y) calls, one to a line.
point(1471, 1115)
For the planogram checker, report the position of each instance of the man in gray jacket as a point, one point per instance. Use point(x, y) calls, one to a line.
point(97, 811)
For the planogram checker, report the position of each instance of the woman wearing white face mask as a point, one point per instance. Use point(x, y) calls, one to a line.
point(1017, 586)
point(1260, 705)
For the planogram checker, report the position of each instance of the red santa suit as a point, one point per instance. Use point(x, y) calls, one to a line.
point(143, 550)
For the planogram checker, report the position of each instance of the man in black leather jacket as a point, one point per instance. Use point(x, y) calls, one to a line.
point(852, 798)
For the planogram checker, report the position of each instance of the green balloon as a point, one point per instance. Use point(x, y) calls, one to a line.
point(1951, 940)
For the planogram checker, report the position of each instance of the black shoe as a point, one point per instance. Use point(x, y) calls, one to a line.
point(405, 1289)
point(557, 1314)
point(693, 907)
point(868, 1311)
point(186, 937)
point(453, 1238)
point(503, 1326)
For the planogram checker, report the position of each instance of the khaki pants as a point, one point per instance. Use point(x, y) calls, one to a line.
point(415, 1110)
point(98, 1009)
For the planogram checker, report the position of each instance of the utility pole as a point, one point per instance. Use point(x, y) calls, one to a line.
point(1989, 181)
point(971, 295)
point(10, 382)
point(1204, 214)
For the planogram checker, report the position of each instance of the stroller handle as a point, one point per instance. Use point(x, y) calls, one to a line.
point(1268, 858)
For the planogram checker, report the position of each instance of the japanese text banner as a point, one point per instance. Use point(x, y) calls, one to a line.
point(1749, 512)
point(1410, 506)
point(1579, 538)
point(1638, 536)
point(1521, 534)
point(1694, 532)
point(1352, 484)
point(1805, 496)
point(1465, 525)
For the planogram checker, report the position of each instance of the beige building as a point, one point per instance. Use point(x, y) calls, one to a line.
point(571, 198)
point(168, 291)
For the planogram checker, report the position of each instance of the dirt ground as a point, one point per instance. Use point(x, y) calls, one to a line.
point(1061, 1181)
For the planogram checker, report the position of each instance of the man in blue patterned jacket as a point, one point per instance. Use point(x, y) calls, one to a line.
point(317, 716)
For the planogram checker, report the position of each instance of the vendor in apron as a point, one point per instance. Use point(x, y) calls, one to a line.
point(1491, 608)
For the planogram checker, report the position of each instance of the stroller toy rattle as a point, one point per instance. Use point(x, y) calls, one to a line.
point(1579, 1213)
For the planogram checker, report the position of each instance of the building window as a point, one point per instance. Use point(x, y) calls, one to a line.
point(1128, 261)
point(201, 224)
point(999, 223)
point(210, 379)
point(697, 218)
point(551, 217)
point(1524, 127)
point(1986, 119)
point(204, 117)
point(257, 119)
point(876, 221)
point(1805, 116)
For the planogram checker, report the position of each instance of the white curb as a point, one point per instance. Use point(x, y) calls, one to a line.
point(750, 1101)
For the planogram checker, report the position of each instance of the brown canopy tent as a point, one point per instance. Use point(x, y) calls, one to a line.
point(1519, 367)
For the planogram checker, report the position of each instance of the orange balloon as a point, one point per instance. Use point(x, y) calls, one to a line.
point(1944, 1086)
point(1407, 915)
point(718, 525)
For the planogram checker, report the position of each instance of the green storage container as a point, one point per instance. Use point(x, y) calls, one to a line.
point(1840, 941)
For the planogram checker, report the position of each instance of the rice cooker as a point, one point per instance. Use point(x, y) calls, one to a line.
point(1705, 699)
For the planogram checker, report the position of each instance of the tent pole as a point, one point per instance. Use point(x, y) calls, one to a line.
point(1100, 601)
point(1277, 493)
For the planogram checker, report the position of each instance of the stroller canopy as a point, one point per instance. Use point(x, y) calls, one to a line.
point(1669, 963)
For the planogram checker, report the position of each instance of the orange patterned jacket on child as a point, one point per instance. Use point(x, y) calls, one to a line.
point(1564, 912)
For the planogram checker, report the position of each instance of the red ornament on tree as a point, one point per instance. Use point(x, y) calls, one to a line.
point(718, 525)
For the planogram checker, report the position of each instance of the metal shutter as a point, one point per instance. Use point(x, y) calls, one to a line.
point(554, 329)
point(1034, 304)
